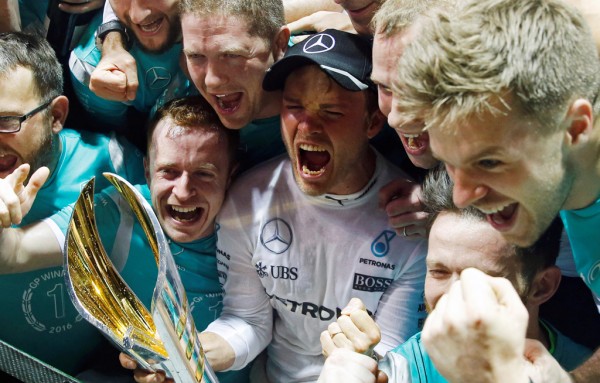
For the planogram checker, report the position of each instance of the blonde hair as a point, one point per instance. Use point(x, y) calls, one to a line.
point(395, 15)
point(538, 53)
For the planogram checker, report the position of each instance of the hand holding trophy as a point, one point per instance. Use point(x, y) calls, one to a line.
point(164, 338)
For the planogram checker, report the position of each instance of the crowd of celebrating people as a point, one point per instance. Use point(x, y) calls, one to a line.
point(358, 191)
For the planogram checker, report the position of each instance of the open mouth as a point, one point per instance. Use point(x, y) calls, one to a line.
point(8, 163)
point(185, 214)
point(229, 103)
point(415, 144)
point(503, 217)
point(313, 160)
point(151, 27)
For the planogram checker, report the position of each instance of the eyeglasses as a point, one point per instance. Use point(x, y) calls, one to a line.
point(12, 124)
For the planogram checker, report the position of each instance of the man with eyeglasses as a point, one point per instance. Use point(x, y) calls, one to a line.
point(37, 314)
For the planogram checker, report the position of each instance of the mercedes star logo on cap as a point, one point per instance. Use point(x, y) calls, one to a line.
point(319, 43)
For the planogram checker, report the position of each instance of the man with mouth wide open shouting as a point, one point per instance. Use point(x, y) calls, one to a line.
point(191, 159)
point(302, 234)
point(227, 47)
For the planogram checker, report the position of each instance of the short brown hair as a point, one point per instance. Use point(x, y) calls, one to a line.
point(264, 17)
point(195, 113)
point(34, 53)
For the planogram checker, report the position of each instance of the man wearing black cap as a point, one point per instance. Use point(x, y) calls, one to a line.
point(302, 234)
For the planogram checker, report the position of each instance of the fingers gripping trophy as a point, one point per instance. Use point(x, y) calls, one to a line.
point(164, 338)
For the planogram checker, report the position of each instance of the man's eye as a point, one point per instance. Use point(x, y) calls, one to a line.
point(438, 274)
point(168, 173)
point(333, 114)
point(384, 89)
point(205, 175)
point(194, 56)
point(488, 164)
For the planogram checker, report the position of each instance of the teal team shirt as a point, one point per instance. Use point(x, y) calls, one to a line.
point(410, 362)
point(260, 140)
point(38, 316)
point(83, 156)
point(156, 72)
point(582, 227)
point(126, 244)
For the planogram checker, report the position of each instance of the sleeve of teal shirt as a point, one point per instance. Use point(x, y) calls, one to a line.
point(104, 208)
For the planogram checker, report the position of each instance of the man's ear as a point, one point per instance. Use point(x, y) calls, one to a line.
point(183, 65)
point(59, 109)
point(376, 122)
point(544, 285)
point(280, 44)
point(580, 121)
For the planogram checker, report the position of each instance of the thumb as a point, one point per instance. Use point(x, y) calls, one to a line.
point(381, 377)
point(534, 350)
point(395, 189)
point(127, 362)
point(541, 365)
point(535, 353)
point(355, 304)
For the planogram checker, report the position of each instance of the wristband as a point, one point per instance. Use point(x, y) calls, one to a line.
point(112, 26)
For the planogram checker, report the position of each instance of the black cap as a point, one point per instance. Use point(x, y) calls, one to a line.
point(343, 56)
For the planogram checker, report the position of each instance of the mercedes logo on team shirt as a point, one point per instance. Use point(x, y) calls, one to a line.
point(157, 77)
point(276, 236)
point(319, 43)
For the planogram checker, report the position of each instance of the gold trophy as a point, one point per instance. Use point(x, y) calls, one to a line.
point(164, 338)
